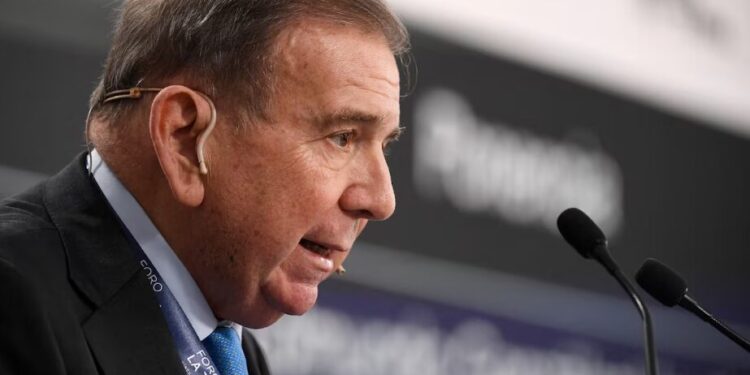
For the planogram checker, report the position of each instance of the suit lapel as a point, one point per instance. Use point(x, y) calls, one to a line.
point(126, 331)
point(128, 334)
point(256, 361)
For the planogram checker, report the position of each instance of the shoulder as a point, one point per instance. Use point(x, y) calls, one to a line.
point(33, 288)
point(24, 211)
point(33, 260)
point(28, 239)
point(42, 311)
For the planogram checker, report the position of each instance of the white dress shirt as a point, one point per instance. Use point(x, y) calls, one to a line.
point(173, 272)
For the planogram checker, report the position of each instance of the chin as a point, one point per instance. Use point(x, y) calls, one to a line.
point(258, 315)
point(299, 308)
point(258, 322)
point(267, 312)
point(254, 312)
point(294, 299)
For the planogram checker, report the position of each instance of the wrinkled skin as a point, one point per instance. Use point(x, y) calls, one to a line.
point(315, 170)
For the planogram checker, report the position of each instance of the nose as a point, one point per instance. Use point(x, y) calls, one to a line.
point(369, 194)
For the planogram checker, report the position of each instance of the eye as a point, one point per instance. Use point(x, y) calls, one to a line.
point(343, 139)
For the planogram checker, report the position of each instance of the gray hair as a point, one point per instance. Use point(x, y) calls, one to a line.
point(220, 45)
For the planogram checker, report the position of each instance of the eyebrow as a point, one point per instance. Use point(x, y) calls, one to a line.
point(349, 115)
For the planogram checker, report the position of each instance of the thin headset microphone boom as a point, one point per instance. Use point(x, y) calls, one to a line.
point(137, 93)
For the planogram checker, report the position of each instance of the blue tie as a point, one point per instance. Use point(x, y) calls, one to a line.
point(225, 349)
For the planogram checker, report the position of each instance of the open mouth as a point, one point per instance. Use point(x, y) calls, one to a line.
point(315, 247)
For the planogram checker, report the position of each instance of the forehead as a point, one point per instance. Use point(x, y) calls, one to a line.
point(322, 58)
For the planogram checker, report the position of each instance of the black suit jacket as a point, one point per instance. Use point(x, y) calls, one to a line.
point(73, 299)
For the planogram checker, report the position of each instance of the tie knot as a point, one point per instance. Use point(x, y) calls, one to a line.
point(225, 348)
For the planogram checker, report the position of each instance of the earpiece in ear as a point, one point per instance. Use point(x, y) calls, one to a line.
point(203, 136)
point(137, 92)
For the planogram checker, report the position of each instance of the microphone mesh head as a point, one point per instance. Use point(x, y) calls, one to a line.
point(661, 282)
point(580, 231)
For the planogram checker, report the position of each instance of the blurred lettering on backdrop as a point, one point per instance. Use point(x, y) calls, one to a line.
point(469, 276)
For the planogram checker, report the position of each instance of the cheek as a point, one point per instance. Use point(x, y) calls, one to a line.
point(243, 229)
point(268, 206)
point(310, 189)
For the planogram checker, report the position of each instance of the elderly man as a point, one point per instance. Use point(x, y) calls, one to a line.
point(238, 153)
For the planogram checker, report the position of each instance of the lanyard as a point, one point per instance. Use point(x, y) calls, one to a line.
point(193, 356)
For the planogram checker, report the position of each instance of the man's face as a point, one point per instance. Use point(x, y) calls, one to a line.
point(287, 198)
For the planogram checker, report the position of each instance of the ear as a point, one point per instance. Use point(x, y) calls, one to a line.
point(179, 116)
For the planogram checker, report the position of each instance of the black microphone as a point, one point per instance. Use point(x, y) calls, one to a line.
point(667, 287)
point(586, 237)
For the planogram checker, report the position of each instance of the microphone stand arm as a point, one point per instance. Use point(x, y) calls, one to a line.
point(648, 335)
point(601, 254)
point(692, 306)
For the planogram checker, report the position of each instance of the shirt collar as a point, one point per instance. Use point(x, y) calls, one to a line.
point(175, 275)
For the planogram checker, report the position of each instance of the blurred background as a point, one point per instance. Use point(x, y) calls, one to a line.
point(636, 111)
